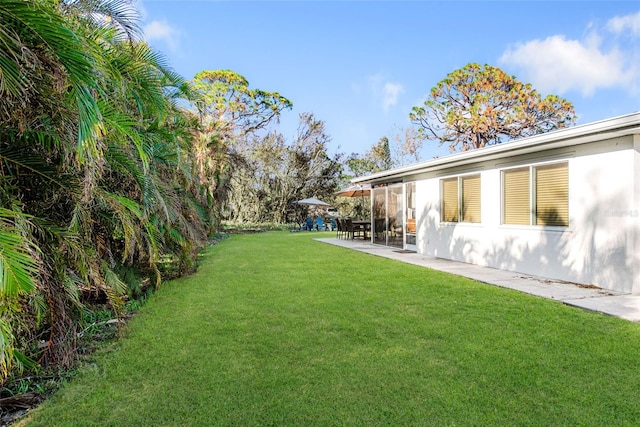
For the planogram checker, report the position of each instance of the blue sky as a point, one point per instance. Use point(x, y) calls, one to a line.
point(361, 65)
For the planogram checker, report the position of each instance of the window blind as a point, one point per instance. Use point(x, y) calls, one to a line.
point(516, 197)
point(552, 194)
point(470, 198)
point(450, 200)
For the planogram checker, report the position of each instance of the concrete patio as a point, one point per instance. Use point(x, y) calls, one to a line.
point(625, 306)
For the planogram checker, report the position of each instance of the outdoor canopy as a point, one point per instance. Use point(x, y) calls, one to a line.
point(355, 191)
point(313, 202)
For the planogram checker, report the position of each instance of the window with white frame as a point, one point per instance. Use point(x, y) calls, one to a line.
point(536, 195)
point(460, 197)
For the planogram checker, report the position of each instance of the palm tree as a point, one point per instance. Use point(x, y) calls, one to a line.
point(96, 173)
point(44, 73)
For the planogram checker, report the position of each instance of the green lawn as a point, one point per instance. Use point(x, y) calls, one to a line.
point(277, 329)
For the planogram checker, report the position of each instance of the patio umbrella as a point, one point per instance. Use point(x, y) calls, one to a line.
point(312, 201)
point(355, 191)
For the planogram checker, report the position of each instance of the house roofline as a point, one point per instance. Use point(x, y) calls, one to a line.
point(628, 124)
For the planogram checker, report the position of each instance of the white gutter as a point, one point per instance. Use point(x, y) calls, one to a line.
point(618, 126)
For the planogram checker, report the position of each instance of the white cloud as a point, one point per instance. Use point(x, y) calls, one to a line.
point(375, 81)
point(391, 93)
point(162, 31)
point(142, 11)
point(558, 65)
point(385, 92)
point(622, 24)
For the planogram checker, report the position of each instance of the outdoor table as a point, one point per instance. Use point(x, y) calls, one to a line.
point(364, 225)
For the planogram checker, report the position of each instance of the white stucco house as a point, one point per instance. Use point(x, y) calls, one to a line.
point(563, 205)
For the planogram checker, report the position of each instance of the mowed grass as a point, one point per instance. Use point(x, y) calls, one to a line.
point(278, 329)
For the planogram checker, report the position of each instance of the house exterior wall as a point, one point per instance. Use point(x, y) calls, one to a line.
point(601, 245)
point(635, 214)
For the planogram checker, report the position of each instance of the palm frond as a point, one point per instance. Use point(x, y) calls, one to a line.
point(46, 27)
point(123, 129)
point(18, 266)
point(129, 218)
point(12, 81)
point(114, 288)
point(120, 15)
point(6, 348)
point(25, 160)
point(18, 271)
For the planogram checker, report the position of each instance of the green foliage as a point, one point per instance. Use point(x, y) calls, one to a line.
point(229, 112)
point(18, 264)
point(224, 96)
point(377, 159)
point(407, 147)
point(97, 183)
point(270, 174)
point(18, 271)
point(250, 227)
point(476, 106)
point(380, 154)
point(107, 187)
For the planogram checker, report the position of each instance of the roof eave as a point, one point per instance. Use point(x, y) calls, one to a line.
point(618, 126)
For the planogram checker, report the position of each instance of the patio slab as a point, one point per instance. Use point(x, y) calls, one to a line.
point(625, 306)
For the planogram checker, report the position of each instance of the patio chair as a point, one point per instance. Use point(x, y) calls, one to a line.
point(339, 228)
point(354, 230)
point(320, 225)
point(308, 224)
point(345, 229)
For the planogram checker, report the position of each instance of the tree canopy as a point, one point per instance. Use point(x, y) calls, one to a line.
point(272, 173)
point(476, 106)
point(225, 96)
point(377, 159)
point(229, 115)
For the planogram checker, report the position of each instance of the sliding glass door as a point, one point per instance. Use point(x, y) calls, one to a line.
point(410, 215)
point(379, 216)
point(394, 215)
